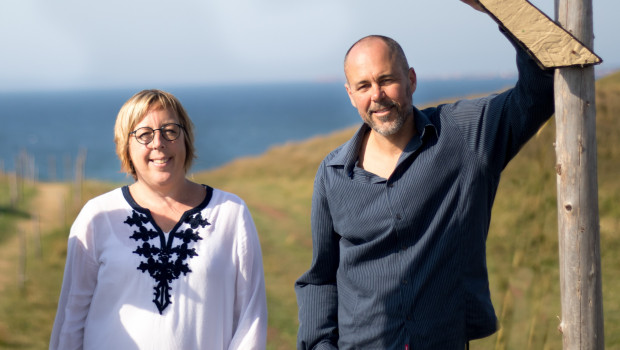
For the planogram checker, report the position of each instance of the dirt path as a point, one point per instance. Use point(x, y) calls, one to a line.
point(47, 213)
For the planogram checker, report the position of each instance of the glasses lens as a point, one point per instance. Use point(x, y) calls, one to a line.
point(144, 135)
point(171, 132)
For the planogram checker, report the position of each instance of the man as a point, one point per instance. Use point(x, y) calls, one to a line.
point(400, 213)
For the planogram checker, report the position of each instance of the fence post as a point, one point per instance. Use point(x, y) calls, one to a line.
point(577, 186)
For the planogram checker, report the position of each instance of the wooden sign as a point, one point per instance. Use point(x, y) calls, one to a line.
point(546, 41)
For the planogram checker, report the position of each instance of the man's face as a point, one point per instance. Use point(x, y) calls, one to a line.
point(379, 87)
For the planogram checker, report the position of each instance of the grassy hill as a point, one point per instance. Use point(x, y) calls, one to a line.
point(277, 186)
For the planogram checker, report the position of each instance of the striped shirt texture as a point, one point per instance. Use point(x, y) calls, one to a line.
point(401, 262)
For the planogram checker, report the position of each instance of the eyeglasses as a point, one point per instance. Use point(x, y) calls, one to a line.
point(169, 132)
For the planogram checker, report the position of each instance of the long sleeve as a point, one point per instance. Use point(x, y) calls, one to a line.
point(79, 281)
point(497, 126)
point(317, 294)
point(494, 129)
point(250, 307)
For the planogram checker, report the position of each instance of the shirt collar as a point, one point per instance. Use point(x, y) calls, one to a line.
point(424, 124)
point(349, 153)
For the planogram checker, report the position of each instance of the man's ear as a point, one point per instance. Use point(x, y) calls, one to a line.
point(346, 86)
point(413, 80)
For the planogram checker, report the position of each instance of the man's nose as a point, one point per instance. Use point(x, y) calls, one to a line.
point(377, 92)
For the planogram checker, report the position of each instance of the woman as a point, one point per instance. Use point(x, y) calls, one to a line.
point(163, 263)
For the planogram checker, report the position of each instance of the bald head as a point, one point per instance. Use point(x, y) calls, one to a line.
point(395, 51)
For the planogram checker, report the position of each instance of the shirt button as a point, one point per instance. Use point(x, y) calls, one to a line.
point(390, 185)
point(398, 217)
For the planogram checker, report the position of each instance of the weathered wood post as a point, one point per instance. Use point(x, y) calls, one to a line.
point(566, 48)
point(578, 215)
point(78, 184)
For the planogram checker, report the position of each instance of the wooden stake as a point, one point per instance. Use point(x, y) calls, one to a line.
point(21, 273)
point(578, 217)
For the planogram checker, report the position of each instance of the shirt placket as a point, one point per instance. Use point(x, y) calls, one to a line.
point(397, 208)
point(400, 250)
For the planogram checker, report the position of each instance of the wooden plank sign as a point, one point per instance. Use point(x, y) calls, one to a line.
point(546, 41)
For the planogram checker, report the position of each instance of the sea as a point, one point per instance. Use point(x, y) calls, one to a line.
point(44, 134)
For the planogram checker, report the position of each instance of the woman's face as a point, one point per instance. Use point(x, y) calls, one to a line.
point(160, 163)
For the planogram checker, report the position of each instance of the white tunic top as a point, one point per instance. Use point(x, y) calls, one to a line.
point(128, 285)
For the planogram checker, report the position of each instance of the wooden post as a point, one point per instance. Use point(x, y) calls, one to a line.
point(578, 216)
point(80, 164)
point(14, 189)
point(23, 253)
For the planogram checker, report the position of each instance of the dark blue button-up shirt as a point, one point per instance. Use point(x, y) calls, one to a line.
point(401, 261)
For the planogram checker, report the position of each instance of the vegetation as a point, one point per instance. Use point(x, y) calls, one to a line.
point(277, 186)
point(32, 263)
point(14, 197)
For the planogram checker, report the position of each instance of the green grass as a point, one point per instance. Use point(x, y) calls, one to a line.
point(10, 212)
point(522, 247)
point(27, 311)
point(522, 251)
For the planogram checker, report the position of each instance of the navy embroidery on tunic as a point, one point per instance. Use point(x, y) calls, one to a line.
point(165, 263)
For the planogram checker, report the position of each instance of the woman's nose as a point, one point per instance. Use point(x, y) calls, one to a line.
point(157, 139)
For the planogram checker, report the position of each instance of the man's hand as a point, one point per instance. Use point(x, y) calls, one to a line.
point(475, 4)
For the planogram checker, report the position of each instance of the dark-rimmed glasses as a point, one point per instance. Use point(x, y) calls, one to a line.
point(169, 132)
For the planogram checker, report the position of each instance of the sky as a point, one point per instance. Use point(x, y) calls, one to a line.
point(77, 44)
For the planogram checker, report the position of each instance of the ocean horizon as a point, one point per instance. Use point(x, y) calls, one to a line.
point(54, 127)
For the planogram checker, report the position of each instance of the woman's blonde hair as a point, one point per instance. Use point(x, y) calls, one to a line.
point(134, 110)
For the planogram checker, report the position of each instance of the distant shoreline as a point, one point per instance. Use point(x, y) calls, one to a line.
point(53, 128)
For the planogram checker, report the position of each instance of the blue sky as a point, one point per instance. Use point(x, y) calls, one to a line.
point(75, 44)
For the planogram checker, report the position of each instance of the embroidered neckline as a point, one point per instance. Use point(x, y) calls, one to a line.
point(162, 259)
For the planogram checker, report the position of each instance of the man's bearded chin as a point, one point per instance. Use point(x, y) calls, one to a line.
point(397, 122)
